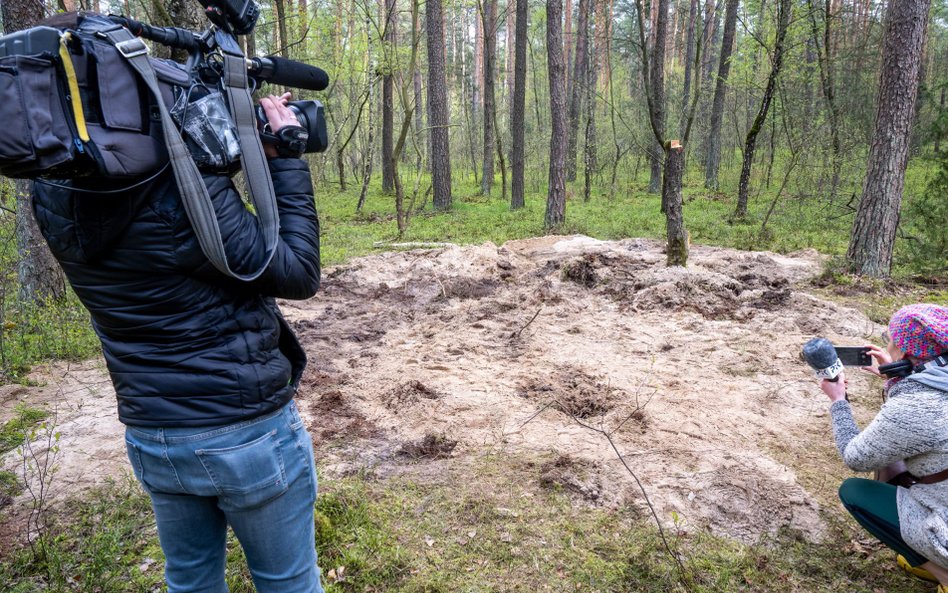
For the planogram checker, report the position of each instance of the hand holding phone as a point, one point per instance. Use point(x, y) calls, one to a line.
point(854, 356)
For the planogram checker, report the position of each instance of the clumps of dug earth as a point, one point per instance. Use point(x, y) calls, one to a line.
point(572, 391)
point(431, 446)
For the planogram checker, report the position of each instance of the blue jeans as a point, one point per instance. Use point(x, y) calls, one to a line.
point(258, 476)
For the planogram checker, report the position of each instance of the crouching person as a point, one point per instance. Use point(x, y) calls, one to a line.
point(204, 366)
point(911, 427)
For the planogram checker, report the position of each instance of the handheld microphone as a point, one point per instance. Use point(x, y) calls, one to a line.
point(288, 73)
point(820, 354)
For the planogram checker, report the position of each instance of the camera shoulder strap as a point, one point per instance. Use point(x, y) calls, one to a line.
point(197, 202)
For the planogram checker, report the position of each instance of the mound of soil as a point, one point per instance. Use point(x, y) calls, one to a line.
point(536, 350)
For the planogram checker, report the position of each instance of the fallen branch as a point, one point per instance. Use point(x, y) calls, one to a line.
point(418, 245)
point(520, 331)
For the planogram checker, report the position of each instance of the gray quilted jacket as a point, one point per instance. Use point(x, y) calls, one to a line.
point(912, 425)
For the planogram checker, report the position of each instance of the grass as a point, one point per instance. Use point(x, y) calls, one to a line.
point(14, 430)
point(461, 530)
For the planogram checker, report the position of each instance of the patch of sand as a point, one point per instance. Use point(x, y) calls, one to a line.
point(694, 372)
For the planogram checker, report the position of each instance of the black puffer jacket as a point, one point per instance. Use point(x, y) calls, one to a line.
point(185, 345)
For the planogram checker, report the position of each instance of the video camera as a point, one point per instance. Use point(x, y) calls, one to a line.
point(74, 103)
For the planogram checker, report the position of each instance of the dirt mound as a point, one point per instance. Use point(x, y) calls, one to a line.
point(538, 349)
point(692, 372)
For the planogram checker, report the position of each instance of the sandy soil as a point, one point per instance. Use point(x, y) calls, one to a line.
point(523, 350)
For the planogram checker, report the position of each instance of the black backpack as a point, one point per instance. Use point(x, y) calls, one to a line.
point(72, 106)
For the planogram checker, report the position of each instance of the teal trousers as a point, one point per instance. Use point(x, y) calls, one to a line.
point(874, 505)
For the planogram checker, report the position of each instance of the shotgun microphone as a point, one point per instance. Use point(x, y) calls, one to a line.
point(286, 72)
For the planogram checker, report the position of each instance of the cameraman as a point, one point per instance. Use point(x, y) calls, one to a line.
point(911, 426)
point(204, 366)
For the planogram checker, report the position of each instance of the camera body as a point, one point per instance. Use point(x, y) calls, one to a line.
point(236, 16)
point(312, 119)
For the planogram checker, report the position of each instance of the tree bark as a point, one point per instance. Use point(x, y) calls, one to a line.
point(590, 154)
point(517, 115)
point(578, 88)
point(825, 58)
point(438, 116)
point(283, 42)
point(556, 195)
point(873, 233)
point(690, 43)
point(489, 16)
point(38, 273)
point(784, 11)
point(657, 84)
point(677, 237)
point(713, 162)
point(388, 99)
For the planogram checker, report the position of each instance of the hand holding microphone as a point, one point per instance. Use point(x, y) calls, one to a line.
point(820, 354)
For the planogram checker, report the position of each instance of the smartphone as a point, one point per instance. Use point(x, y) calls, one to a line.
point(854, 356)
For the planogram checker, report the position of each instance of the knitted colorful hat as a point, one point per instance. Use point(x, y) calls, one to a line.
point(920, 330)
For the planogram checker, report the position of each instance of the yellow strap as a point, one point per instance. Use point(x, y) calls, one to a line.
point(73, 90)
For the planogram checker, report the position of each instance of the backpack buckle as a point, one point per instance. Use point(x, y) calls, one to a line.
point(131, 48)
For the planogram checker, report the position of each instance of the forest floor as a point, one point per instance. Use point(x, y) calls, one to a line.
point(535, 357)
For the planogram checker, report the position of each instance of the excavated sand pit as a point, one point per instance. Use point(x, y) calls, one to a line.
point(522, 350)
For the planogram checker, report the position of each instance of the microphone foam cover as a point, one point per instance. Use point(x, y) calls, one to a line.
point(820, 354)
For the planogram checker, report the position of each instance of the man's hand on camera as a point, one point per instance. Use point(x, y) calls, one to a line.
point(278, 116)
point(835, 390)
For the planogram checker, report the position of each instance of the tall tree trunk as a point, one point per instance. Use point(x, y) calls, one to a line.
point(604, 42)
point(283, 42)
point(784, 12)
point(419, 117)
point(517, 115)
point(677, 237)
point(713, 162)
point(388, 99)
point(38, 272)
point(689, 58)
point(873, 234)
point(941, 110)
point(509, 58)
point(578, 90)
point(489, 15)
point(568, 44)
point(657, 88)
point(438, 115)
point(825, 58)
point(556, 196)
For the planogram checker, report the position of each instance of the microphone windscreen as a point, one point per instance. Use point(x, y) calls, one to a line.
point(298, 74)
point(820, 354)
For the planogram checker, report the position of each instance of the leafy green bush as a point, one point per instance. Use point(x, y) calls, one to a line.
point(925, 224)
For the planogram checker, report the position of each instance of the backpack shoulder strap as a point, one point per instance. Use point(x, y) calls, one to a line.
point(197, 202)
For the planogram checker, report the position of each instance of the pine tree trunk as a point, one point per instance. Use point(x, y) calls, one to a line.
point(388, 101)
point(577, 90)
point(690, 43)
point(490, 57)
point(556, 196)
point(825, 58)
point(713, 162)
point(517, 115)
point(438, 115)
point(677, 236)
point(784, 12)
point(657, 85)
point(38, 273)
point(873, 234)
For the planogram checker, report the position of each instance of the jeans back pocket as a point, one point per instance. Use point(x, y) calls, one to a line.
point(247, 475)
